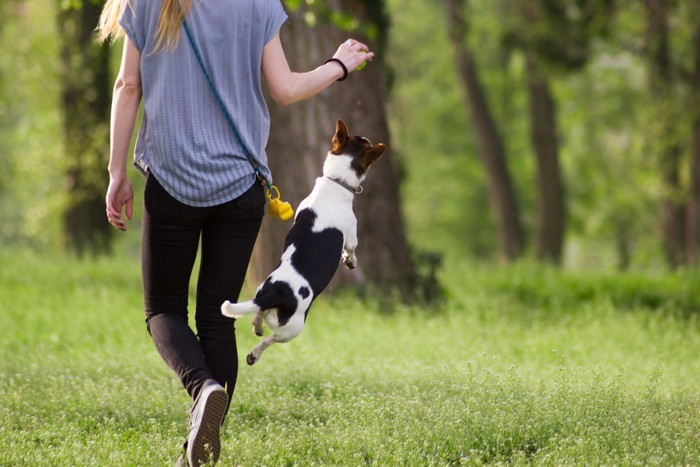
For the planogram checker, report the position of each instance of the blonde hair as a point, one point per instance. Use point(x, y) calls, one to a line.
point(172, 13)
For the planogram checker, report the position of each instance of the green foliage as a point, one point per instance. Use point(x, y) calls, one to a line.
point(372, 23)
point(447, 207)
point(609, 126)
point(608, 122)
point(613, 184)
point(549, 291)
point(519, 367)
point(30, 183)
point(559, 33)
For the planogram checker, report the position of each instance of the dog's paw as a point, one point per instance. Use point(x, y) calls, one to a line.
point(251, 359)
point(349, 261)
point(258, 331)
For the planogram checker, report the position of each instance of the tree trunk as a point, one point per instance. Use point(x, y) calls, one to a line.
point(501, 192)
point(672, 208)
point(85, 93)
point(5, 121)
point(300, 139)
point(550, 190)
point(693, 238)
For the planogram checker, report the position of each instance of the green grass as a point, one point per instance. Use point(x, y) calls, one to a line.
point(518, 365)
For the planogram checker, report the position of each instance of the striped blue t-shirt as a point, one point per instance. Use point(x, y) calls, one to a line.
point(184, 139)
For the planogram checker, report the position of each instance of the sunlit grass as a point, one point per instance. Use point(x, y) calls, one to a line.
point(519, 365)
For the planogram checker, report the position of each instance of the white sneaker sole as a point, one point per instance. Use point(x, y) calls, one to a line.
point(204, 443)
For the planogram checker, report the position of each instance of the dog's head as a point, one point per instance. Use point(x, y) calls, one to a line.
point(351, 156)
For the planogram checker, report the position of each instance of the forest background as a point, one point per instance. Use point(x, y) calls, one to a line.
point(542, 182)
point(563, 131)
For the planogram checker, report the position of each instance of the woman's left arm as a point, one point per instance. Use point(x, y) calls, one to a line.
point(287, 87)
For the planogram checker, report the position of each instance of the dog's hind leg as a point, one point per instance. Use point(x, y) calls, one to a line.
point(258, 324)
point(281, 334)
point(256, 353)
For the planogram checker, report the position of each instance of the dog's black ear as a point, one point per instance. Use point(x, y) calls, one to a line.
point(340, 137)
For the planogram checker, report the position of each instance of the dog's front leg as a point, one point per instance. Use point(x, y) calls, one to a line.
point(256, 353)
point(349, 259)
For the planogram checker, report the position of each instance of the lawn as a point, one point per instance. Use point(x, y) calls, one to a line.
point(518, 365)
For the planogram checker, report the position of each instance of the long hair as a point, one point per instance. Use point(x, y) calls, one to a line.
point(172, 13)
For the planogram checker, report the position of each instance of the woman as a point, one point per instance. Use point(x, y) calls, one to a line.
point(200, 183)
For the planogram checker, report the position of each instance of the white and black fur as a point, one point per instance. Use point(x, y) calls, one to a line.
point(324, 234)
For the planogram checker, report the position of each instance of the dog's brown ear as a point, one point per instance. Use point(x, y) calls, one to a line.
point(376, 152)
point(369, 157)
point(340, 137)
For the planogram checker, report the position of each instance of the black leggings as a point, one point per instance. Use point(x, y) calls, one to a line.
point(171, 235)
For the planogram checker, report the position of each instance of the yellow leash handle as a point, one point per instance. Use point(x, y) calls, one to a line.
point(278, 208)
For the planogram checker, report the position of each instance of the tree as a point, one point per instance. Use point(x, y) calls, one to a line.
point(555, 38)
point(301, 134)
point(5, 165)
point(85, 104)
point(6, 117)
point(551, 215)
point(661, 79)
point(535, 30)
point(693, 220)
point(489, 142)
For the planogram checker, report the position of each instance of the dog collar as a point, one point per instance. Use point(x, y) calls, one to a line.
point(352, 190)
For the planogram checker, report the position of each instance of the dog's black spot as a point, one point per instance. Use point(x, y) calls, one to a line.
point(317, 254)
point(304, 292)
point(277, 295)
point(357, 147)
point(357, 167)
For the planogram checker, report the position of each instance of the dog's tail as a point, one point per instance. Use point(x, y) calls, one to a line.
point(237, 310)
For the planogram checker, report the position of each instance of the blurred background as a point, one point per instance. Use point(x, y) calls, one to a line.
point(565, 132)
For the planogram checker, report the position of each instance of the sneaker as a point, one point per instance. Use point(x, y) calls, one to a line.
point(203, 442)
